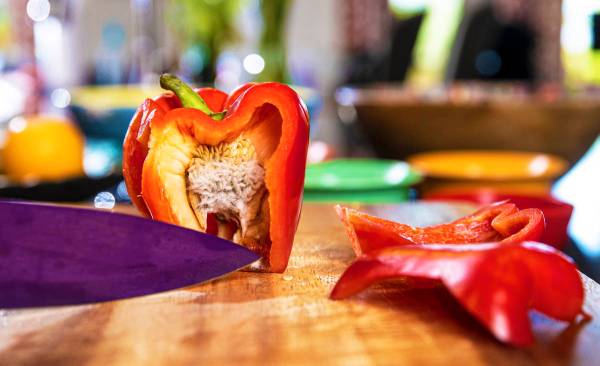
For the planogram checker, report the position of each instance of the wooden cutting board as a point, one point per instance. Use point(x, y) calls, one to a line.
point(287, 319)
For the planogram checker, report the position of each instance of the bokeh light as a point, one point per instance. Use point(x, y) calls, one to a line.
point(122, 194)
point(60, 98)
point(229, 71)
point(397, 173)
point(254, 64)
point(17, 124)
point(38, 10)
point(488, 63)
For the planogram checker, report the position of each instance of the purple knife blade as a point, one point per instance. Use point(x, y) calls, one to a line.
point(53, 255)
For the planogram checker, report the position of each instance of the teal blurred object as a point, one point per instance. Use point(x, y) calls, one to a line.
point(102, 156)
point(359, 181)
point(110, 124)
point(104, 112)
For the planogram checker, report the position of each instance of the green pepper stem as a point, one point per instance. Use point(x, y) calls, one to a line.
point(188, 97)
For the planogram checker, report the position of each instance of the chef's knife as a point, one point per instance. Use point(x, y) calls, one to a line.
point(54, 255)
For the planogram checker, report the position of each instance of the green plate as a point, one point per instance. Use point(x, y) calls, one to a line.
point(359, 180)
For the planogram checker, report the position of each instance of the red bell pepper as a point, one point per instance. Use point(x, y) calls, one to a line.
point(227, 165)
point(501, 221)
point(497, 283)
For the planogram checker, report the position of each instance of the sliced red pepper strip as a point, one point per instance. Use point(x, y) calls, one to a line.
point(497, 283)
point(269, 115)
point(497, 222)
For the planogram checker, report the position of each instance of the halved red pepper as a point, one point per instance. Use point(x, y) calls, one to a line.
point(501, 222)
point(228, 165)
point(497, 283)
point(135, 145)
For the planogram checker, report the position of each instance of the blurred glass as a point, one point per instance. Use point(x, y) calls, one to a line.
point(204, 27)
point(272, 41)
point(580, 41)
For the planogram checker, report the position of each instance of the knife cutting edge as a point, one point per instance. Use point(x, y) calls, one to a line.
point(56, 255)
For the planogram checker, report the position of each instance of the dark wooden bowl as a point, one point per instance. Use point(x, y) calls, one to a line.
point(398, 126)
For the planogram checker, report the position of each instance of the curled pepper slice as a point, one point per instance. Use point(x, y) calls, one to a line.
point(500, 221)
point(227, 165)
point(497, 283)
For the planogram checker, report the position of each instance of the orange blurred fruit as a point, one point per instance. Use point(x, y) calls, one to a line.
point(42, 149)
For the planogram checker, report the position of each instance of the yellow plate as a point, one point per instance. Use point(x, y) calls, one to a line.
point(113, 96)
point(488, 165)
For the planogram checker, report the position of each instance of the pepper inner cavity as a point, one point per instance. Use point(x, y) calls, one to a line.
point(227, 180)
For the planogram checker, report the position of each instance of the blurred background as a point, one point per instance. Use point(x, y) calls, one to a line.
point(470, 100)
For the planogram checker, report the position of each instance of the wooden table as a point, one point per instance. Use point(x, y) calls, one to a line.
point(287, 319)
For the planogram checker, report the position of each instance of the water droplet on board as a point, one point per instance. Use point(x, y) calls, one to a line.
point(104, 200)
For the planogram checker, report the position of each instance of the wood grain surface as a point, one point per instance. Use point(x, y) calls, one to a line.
point(287, 319)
